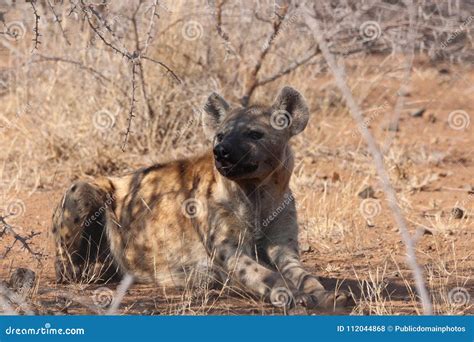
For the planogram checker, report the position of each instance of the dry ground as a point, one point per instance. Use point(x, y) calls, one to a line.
point(51, 137)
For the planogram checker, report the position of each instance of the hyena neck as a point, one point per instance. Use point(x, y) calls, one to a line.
point(263, 196)
point(275, 186)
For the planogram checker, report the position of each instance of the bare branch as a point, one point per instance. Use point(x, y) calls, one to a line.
point(225, 37)
point(131, 113)
point(254, 74)
point(125, 54)
point(171, 72)
point(288, 70)
point(219, 5)
point(149, 35)
point(149, 108)
point(36, 28)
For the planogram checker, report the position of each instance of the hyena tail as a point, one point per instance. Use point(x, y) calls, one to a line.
point(82, 249)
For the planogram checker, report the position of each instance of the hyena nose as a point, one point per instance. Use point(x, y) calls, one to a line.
point(221, 152)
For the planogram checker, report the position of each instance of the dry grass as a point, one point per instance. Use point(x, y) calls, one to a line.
point(65, 109)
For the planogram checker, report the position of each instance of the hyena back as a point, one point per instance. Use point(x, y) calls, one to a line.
point(226, 215)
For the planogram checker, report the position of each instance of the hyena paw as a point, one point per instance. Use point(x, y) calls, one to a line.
point(326, 300)
point(306, 300)
point(284, 297)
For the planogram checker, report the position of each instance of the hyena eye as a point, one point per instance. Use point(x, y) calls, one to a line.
point(219, 137)
point(255, 135)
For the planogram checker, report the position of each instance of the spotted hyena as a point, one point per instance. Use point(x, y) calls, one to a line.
point(227, 216)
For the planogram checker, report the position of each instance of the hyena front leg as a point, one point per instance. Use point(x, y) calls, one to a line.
point(288, 264)
point(78, 227)
point(228, 244)
point(281, 247)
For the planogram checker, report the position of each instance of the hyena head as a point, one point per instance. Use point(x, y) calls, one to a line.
point(250, 143)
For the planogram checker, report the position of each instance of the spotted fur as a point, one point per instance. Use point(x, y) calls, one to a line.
point(227, 216)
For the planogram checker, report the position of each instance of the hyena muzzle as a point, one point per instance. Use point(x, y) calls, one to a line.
point(227, 216)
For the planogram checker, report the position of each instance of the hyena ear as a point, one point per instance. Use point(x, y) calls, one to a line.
point(216, 109)
point(290, 102)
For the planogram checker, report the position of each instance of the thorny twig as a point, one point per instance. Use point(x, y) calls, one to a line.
point(149, 34)
point(36, 28)
point(24, 240)
point(135, 58)
point(94, 28)
point(131, 113)
point(168, 70)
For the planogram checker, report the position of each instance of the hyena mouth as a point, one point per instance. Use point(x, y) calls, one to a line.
point(228, 169)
